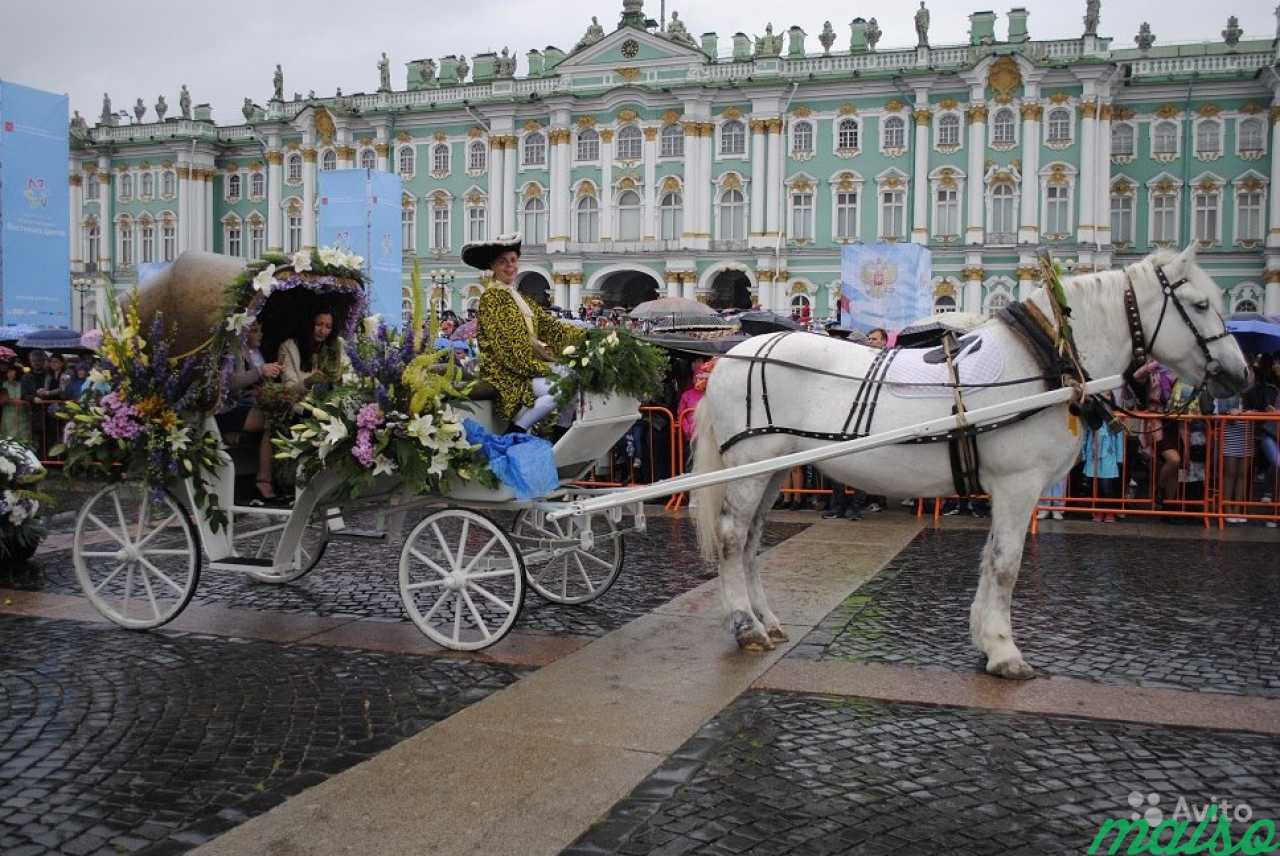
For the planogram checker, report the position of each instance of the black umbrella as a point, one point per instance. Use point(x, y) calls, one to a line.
point(760, 321)
point(58, 339)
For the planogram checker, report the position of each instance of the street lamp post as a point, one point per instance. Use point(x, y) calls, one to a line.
point(82, 286)
point(441, 278)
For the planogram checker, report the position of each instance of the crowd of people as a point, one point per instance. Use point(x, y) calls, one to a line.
point(32, 390)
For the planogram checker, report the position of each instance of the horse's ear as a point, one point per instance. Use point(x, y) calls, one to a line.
point(1187, 257)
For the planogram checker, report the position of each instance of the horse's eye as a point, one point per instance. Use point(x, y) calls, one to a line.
point(1201, 305)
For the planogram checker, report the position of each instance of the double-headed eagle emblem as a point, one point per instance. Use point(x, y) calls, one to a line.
point(879, 277)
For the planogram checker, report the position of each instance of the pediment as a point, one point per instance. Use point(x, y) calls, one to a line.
point(649, 49)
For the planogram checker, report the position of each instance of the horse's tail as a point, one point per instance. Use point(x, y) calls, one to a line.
point(707, 500)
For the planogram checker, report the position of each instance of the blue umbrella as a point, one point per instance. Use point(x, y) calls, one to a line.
point(56, 339)
point(1255, 335)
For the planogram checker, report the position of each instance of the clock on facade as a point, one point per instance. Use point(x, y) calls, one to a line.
point(630, 48)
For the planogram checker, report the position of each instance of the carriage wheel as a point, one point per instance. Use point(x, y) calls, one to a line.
point(576, 575)
point(461, 579)
point(136, 554)
point(262, 534)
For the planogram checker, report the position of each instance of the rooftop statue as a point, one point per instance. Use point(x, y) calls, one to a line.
point(184, 102)
point(922, 26)
point(107, 117)
point(161, 108)
point(677, 32)
point(594, 33)
point(874, 33)
point(827, 37)
point(139, 110)
point(1144, 39)
point(1231, 35)
point(384, 73)
point(1092, 14)
point(277, 82)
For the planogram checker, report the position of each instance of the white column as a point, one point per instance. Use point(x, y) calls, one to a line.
point(606, 184)
point(346, 153)
point(649, 227)
point(196, 209)
point(561, 288)
point(275, 216)
point(1088, 171)
point(973, 233)
point(1029, 222)
point(74, 213)
point(759, 176)
point(692, 185)
point(381, 149)
point(209, 224)
point(509, 185)
point(309, 197)
point(1271, 299)
point(496, 163)
point(972, 301)
point(575, 291)
point(673, 285)
point(556, 155)
point(106, 228)
point(773, 187)
point(1273, 235)
point(920, 191)
point(1102, 184)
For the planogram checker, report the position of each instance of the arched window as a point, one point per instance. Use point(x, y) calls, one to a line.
point(1244, 305)
point(1250, 136)
point(535, 149)
point(733, 138)
point(148, 185)
point(1059, 126)
point(293, 227)
point(895, 133)
point(1164, 138)
point(628, 216)
point(1209, 137)
point(943, 304)
point(802, 138)
point(732, 216)
point(946, 212)
point(1003, 226)
point(329, 160)
point(232, 244)
point(441, 233)
point(1164, 217)
point(672, 143)
point(91, 186)
point(1207, 215)
point(257, 187)
point(440, 158)
point(257, 237)
point(1121, 217)
point(1002, 127)
point(477, 155)
point(148, 235)
point(1249, 209)
point(293, 169)
point(126, 186)
point(535, 220)
point(125, 228)
point(1122, 140)
point(671, 214)
point(477, 225)
point(630, 144)
point(588, 145)
point(588, 220)
point(949, 130)
point(92, 243)
point(1057, 217)
point(893, 213)
point(801, 307)
point(233, 187)
point(169, 239)
point(408, 226)
point(368, 159)
point(407, 159)
point(846, 214)
point(997, 299)
point(847, 135)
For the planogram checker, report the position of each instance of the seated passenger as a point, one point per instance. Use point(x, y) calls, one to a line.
point(247, 375)
point(315, 355)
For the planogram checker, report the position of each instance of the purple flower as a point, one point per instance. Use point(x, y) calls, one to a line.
point(362, 450)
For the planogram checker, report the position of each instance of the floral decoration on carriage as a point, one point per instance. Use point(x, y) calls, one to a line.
point(20, 526)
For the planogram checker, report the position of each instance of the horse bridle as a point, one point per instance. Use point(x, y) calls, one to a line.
point(1141, 346)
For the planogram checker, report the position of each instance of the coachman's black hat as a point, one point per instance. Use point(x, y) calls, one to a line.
point(480, 254)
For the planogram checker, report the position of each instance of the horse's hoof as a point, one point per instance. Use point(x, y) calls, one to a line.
point(777, 634)
point(754, 642)
point(1014, 669)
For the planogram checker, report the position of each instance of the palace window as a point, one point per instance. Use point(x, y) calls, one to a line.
point(1002, 128)
point(672, 141)
point(588, 220)
point(895, 133)
point(91, 186)
point(1249, 215)
point(1121, 218)
point(477, 227)
point(406, 156)
point(257, 238)
point(944, 304)
point(440, 227)
point(1057, 215)
point(169, 240)
point(801, 306)
point(293, 229)
point(93, 243)
point(477, 155)
point(1209, 137)
point(1249, 136)
point(368, 159)
point(233, 187)
point(231, 238)
point(802, 216)
point(846, 215)
point(1059, 126)
point(946, 212)
point(671, 214)
point(630, 145)
point(329, 160)
point(535, 221)
point(847, 135)
point(440, 159)
point(588, 145)
point(257, 186)
point(408, 227)
point(1003, 228)
point(628, 216)
point(949, 130)
point(1206, 208)
point(148, 234)
point(997, 299)
point(802, 138)
point(1122, 140)
point(1164, 139)
point(733, 226)
point(733, 138)
point(535, 149)
point(1164, 218)
point(126, 187)
point(893, 213)
point(293, 169)
point(125, 228)
point(1243, 306)
point(148, 185)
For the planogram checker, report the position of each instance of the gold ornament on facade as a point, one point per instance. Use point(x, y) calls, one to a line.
point(650, 134)
point(844, 181)
point(1167, 111)
point(1121, 188)
point(1106, 112)
point(764, 276)
point(532, 125)
point(476, 199)
point(627, 183)
point(976, 113)
point(1059, 98)
point(229, 169)
point(775, 126)
point(627, 115)
point(1252, 108)
point(892, 181)
point(1164, 187)
point(670, 184)
point(923, 117)
point(185, 172)
point(1089, 110)
point(730, 181)
point(440, 199)
point(475, 131)
point(1208, 111)
point(758, 126)
point(801, 185)
point(1058, 175)
point(731, 112)
point(670, 117)
point(1004, 78)
point(309, 155)
point(75, 179)
point(587, 121)
point(948, 104)
point(945, 288)
point(606, 136)
point(587, 188)
point(893, 106)
point(381, 149)
point(947, 178)
point(1272, 276)
point(1251, 184)
point(347, 152)
point(533, 191)
point(800, 112)
point(1028, 272)
point(402, 137)
point(970, 274)
point(439, 137)
point(629, 73)
point(1208, 185)
point(323, 124)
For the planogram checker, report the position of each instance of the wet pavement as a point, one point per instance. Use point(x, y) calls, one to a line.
point(777, 773)
point(1186, 614)
point(112, 742)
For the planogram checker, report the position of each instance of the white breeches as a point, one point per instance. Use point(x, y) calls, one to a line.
point(544, 404)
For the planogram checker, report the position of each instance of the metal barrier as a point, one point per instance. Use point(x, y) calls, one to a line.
point(625, 473)
point(44, 430)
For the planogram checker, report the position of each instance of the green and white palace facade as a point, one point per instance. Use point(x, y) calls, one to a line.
point(645, 162)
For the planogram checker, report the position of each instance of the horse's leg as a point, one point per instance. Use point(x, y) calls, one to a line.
point(990, 626)
point(751, 562)
point(742, 501)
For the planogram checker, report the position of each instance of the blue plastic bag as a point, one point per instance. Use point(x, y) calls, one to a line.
point(522, 462)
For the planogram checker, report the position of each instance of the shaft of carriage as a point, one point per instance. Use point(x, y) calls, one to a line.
point(941, 425)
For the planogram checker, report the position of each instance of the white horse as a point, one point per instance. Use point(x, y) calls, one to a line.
point(1179, 312)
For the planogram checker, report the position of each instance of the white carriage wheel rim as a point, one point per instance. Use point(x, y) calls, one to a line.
point(270, 531)
point(558, 529)
point(463, 605)
point(176, 517)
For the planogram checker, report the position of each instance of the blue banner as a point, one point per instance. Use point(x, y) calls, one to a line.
point(884, 285)
point(360, 212)
point(35, 271)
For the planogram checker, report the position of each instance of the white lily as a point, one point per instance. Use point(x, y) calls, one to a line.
point(612, 339)
point(98, 376)
point(7, 467)
point(265, 281)
point(330, 255)
point(94, 438)
point(421, 427)
point(335, 432)
point(301, 261)
point(569, 351)
point(241, 321)
point(383, 465)
point(180, 438)
point(586, 361)
point(371, 325)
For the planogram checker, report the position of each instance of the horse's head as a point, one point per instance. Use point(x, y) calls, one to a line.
point(1180, 312)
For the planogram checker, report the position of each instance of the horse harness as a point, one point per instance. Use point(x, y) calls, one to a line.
point(1139, 344)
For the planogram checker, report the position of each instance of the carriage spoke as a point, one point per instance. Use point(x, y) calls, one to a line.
point(426, 584)
point(124, 527)
point(475, 616)
point(421, 557)
point(165, 551)
point(490, 575)
point(579, 554)
point(96, 554)
point(439, 603)
point(111, 576)
point(128, 587)
point(144, 511)
point(151, 595)
point(586, 578)
point(154, 532)
point(457, 619)
point(478, 556)
point(105, 528)
point(462, 542)
point(170, 583)
point(489, 596)
point(440, 538)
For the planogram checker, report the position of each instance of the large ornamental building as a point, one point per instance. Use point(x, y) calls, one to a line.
point(646, 162)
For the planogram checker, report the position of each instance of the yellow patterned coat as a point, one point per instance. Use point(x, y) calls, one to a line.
point(506, 352)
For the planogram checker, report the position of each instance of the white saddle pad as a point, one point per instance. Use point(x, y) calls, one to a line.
point(978, 361)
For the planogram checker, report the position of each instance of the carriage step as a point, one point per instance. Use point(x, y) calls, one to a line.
point(359, 534)
point(240, 564)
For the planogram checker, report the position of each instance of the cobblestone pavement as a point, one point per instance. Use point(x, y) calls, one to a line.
point(790, 774)
point(360, 579)
point(112, 742)
point(1185, 614)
